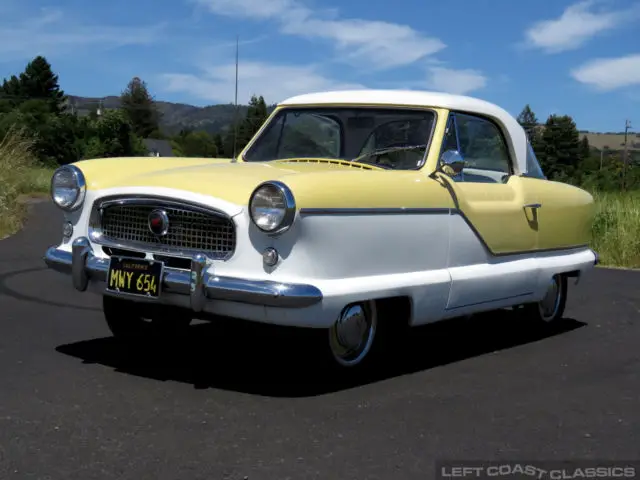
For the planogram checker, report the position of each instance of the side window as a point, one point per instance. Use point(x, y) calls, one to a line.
point(533, 166)
point(482, 145)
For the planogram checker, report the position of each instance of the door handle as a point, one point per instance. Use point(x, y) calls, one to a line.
point(533, 205)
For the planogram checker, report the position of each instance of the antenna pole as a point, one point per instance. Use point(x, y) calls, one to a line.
point(235, 116)
point(627, 126)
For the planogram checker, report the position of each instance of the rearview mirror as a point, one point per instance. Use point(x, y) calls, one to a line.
point(451, 163)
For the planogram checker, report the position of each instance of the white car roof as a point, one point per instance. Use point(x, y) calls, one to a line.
point(420, 98)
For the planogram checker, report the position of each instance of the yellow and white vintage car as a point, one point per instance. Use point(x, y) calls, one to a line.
point(349, 212)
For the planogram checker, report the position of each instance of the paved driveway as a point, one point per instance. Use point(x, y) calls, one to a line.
point(227, 406)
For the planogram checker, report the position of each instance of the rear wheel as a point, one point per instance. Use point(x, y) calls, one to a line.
point(551, 308)
point(131, 321)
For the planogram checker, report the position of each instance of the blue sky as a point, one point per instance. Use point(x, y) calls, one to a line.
point(579, 58)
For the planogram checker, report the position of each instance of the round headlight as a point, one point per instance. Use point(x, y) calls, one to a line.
point(272, 207)
point(68, 187)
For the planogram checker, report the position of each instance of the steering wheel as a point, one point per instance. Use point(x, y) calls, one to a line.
point(384, 159)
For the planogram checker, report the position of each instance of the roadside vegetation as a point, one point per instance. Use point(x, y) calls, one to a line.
point(20, 174)
point(616, 230)
point(40, 129)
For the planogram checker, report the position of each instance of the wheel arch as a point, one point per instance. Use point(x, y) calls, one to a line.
point(400, 307)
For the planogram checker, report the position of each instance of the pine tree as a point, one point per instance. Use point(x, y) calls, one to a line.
point(140, 108)
point(528, 120)
point(585, 149)
point(560, 152)
point(11, 88)
point(246, 128)
point(217, 140)
point(38, 82)
point(10, 95)
point(256, 116)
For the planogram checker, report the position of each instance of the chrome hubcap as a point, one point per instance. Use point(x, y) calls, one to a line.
point(551, 301)
point(351, 337)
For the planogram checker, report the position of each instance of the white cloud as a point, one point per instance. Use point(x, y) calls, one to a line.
point(50, 32)
point(259, 9)
point(385, 44)
point(610, 73)
point(577, 25)
point(459, 82)
point(274, 82)
point(380, 44)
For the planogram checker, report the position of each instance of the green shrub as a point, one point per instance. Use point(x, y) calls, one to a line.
point(20, 173)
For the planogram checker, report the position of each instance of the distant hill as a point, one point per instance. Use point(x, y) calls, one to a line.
point(175, 116)
point(612, 141)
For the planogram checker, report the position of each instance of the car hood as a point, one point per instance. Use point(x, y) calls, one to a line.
point(232, 182)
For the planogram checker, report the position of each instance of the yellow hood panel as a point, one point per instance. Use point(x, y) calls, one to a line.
point(232, 182)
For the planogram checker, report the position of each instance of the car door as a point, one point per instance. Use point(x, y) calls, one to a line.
point(494, 229)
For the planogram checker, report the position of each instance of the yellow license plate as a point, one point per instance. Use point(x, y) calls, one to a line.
point(135, 276)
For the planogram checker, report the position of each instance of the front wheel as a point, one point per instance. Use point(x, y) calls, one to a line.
point(361, 338)
point(551, 308)
point(353, 335)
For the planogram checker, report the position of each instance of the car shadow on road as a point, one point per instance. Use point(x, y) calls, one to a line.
point(276, 361)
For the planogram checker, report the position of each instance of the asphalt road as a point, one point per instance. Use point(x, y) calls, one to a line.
point(242, 404)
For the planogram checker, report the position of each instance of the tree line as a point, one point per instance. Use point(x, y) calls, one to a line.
point(565, 157)
point(34, 102)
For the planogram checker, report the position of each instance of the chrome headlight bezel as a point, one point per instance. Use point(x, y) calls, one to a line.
point(288, 211)
point(80, 187)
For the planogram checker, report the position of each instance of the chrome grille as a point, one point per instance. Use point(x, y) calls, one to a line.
point(190, 229)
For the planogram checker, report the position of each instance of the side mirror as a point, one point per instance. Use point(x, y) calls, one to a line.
point(452, 163)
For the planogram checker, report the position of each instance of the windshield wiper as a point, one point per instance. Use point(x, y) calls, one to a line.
point(381, 151)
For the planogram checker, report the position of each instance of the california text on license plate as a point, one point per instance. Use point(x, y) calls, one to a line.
point(135, 276)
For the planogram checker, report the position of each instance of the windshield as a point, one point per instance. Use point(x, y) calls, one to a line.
point(378, 136)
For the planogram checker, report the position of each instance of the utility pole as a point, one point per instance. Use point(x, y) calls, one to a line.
point(235, 115)
point(627, 126)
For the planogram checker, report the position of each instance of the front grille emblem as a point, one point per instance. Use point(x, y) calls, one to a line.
point(159, 223)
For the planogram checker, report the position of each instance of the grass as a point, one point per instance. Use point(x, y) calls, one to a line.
point(20, 174)
point(616, 230)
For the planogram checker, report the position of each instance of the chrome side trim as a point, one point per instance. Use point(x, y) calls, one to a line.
point(194, 288)
point(375, 211)
point(96, 235)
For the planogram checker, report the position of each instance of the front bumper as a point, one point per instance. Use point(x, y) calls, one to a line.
point(192, 289)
